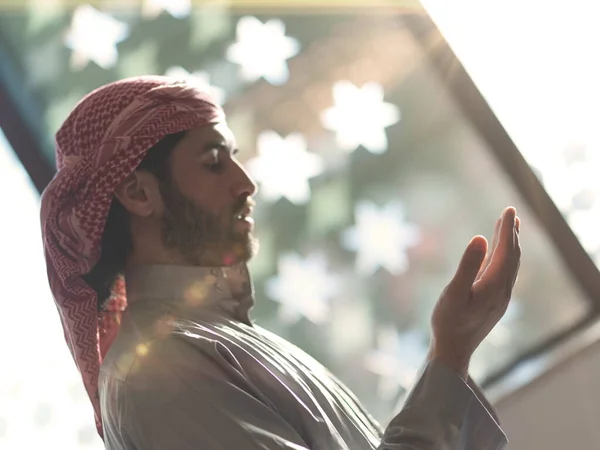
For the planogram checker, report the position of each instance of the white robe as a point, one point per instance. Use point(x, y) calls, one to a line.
point(188, 370)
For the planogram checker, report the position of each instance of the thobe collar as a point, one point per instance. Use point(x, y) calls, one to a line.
point(190, 291)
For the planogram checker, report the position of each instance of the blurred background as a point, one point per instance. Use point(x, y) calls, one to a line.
point(383, 136)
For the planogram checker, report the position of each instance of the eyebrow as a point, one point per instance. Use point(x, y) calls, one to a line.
point(218, 145)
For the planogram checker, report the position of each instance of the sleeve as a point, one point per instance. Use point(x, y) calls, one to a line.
point(442, 412)
point(481, 397)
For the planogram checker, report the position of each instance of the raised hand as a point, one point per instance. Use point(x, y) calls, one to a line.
point(478, 295)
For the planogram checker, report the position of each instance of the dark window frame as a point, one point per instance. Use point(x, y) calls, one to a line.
point(478, 112)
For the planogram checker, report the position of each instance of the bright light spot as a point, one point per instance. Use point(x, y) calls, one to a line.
point(548, 104)
point(284, 166)
point(61, 403)
point(141, 350)
point(381, 238)
point(303, 287)
point(262, 50)
point(585, 225)
point(360, 116)
point(196, 293)
point(179, 9)
point(93, 36)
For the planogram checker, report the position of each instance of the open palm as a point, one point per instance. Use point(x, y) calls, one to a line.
point(478, 295)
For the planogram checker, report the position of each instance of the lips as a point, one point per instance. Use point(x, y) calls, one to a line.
point(243, 222)
point(245, 212)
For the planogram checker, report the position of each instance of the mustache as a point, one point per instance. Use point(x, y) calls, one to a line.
point(244, 203)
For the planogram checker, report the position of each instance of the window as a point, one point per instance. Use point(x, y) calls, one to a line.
point(541, 80)
point(390, 182)
point(43, 400)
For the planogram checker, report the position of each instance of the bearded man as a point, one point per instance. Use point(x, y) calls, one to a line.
point(149, 191)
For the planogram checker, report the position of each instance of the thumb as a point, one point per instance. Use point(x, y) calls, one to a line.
point(469, 266)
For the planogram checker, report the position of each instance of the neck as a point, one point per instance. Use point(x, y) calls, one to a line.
point(147, 256)
point(191, 289)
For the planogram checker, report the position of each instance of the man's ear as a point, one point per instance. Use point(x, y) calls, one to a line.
point(139, 194)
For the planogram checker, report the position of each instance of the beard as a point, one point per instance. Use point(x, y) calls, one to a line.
point(201, 237)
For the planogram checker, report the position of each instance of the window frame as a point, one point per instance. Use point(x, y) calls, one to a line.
point(471, 102)
point(20, 132)
point(28, 145)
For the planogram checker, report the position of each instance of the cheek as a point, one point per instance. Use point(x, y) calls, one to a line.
point(203, 195)
point(190, 181)
point(207, 191)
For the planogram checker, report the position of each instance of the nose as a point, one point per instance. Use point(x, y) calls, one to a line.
point(244, 185)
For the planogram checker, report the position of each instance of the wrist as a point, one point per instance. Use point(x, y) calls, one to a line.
point(457, 363)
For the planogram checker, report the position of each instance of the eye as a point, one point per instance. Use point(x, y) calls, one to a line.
point(215, 166)
point(212, 161)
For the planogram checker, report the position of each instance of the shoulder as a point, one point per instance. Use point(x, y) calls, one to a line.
point(163, 356)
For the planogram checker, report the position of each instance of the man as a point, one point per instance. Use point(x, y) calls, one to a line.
point(148, 187)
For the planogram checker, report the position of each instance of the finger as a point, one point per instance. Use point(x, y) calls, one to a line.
point(468, 267)
point(503, 258)
point(496, 236)
point(517, 255)
point(491, 249)
point(518, 251)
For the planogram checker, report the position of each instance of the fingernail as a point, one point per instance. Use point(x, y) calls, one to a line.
point(514, 214)
point(478, 243)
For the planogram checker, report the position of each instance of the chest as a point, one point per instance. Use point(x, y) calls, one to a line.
point(305, 393)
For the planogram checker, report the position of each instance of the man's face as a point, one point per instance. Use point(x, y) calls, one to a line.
point(208, 200)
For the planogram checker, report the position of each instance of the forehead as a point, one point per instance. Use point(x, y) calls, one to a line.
point(217, 133)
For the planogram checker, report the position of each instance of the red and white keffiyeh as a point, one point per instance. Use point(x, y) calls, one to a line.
point(102, 141)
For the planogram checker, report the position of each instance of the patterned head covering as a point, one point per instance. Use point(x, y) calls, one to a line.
point(102, 141)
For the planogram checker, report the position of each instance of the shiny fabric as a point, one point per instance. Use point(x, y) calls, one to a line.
point(102, 141)
point(189, 370)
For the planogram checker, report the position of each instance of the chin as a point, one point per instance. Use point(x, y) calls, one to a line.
point(242, 251)
point(251, 248)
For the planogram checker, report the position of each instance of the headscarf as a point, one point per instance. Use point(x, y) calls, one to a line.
point(101, 142)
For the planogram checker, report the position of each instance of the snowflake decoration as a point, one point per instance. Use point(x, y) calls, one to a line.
point(262, 50)
point(93, 36)
point(360, 117)
point(303, 288)
point(381, 238)
point(284, 166)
